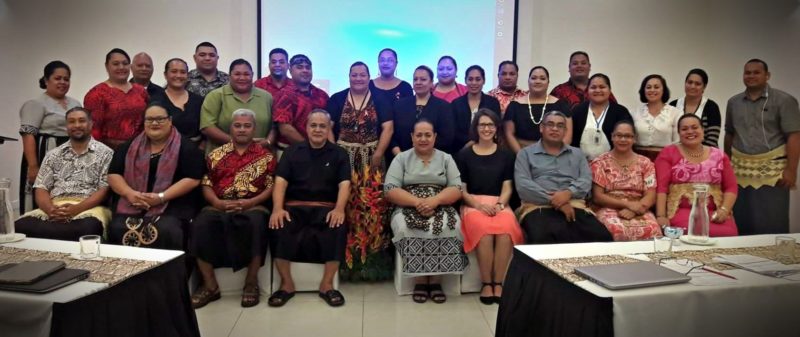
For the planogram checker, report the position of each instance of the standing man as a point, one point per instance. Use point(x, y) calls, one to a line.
point(205, 77)
point(277, 80)
point(762, 136)
point(573, 91)
point(296, 102)
point(507, 91)
point(142, 72)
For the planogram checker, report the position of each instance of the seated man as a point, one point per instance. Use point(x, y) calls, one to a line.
point(232, 232)
point(70, 186)
point(552, 180)
point(312, 185)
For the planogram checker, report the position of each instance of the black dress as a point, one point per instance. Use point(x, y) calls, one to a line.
point(437, 110)
point(463, 117)
point(186, 119)
point(391, 96)
point(527, 118)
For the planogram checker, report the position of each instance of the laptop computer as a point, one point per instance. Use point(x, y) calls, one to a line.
point(631, 275)
point(59, 279)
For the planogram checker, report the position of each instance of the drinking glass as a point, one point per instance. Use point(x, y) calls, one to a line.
point(673, 233)
point(784, 249)
point(90, 247)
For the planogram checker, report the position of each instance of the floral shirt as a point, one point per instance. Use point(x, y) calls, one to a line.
point(234, 176)
point(198, 85)
point(65, 173)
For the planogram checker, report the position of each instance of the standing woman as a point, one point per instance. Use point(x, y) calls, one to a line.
point(656, 122)
point(695, 103)
point(524, 114)
point(466, 107)
point(388, 87)
point(407, 111)
point(594, 119)
point(182, 105)
point(117, 106)
point(488, 223)
point(363, 126)
point(43, 126)
point(447, 88)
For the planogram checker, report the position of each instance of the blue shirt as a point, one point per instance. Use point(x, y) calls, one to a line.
point(537, 173)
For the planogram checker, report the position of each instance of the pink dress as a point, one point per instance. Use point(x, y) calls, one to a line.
point(450, 96)
point(629, 183)
point(716, 171)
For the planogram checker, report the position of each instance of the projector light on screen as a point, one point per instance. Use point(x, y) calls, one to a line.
point(334, 35)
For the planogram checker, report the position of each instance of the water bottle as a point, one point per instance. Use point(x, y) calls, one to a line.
point(6, 210)
point(698, 218)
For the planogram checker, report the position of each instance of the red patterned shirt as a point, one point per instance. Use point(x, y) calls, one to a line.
point(268, 83)
point(234, 176)
point(293, 107)
point(116, 115)
point(569, 93)
point(505, 97)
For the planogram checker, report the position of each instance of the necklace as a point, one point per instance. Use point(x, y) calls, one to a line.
point(625, 165)
point(530, 111)
point(360, 108)
point(697, 154)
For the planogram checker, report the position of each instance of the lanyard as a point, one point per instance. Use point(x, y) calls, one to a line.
point(599, 122)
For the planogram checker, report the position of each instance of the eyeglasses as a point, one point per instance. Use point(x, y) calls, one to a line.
point(486, 126)
point(156, 120)
point(623, 136)
point(685, 263)
point(557, 126)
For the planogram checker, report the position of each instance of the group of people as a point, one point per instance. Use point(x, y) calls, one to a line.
point(226, 167)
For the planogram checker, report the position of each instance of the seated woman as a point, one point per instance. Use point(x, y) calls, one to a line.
point(683, 165)
point(447, 88)
point(488, 222)
point(423, 105)
point(466, 107)
point(232, 231)
point(155, 177)
point(524, 114)
point(656, 121)
point(625, 188)
point(424, 183)
point(595, 119)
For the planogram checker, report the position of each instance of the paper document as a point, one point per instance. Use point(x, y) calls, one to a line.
point(760, 265)
point(699, 275)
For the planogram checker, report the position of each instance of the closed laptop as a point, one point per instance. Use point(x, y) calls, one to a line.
point(631, 275)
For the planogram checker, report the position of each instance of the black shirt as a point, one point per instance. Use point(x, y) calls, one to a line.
point(152, 89)
point(191, 164)
point(463, 117)
point(616, 113)
point(484, 175)
point(313, 174)
point(526, 129)
point(186, 120)
point(392, 95)
point(438, 111)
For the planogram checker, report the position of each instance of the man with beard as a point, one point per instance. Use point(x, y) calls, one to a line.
point(506, 91)
point(553, 179)
point(277, 80)
point(71, 186)
point(206, 77)
point(142, 69)
point(573, 91)
point(295, 103)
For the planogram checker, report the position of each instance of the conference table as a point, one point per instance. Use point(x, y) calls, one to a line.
point(130, 292)
point(543, 297)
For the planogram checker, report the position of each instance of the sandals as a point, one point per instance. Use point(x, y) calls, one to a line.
point(437, 294)
point(250, 296)
point(333, 297)
point(488, 300)
point(279, 298)
point(420, 294)
point(497, 298)
point(203, 296)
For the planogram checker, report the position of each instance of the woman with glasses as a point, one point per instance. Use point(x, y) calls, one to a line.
point(594, 119)
point(488, 223)
point(624, 188)
point(154, 177)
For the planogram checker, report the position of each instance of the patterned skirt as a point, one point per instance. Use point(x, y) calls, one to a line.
point(428, 245)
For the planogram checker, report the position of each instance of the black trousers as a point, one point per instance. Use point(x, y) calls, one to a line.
point(170, 232)
point(69, 231)
point(548, 225)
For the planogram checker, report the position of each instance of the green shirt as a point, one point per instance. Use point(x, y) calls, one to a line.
point(219, 105)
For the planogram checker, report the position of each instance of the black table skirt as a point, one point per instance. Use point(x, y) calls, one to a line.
point(154, 303)
point(538, 302)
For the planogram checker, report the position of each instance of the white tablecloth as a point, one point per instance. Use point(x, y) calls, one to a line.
point(27, 314)
point(756, 305)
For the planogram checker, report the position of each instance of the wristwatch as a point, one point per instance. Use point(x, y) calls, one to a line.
point(161, 197)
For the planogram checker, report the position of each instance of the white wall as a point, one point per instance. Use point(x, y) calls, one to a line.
point(625, 39)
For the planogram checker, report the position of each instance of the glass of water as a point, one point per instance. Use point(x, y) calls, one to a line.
point(90, 247)
point(673, 233)
point(784, 249)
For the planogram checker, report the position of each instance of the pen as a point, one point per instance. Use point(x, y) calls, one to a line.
point(718, 273)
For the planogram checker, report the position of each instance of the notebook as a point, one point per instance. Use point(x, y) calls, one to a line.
point(631, 275)
point(59, 279)
point(29, 272)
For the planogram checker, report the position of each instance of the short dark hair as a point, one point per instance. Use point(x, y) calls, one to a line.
point(603, 76)
point(507, 62)
point(205, 44)
point(76, 109)
point(685, 116)
point(498, 124)
point(766, 67)
point(117, 51)
point(664, 95)
point(394, 53)
point(698, 72)
point(624, 121)
point(427, 70)
point(159, 104)
point(359, 63)
point(166, 65)
point(49, 69)
point(475, 67)
point(552, 113)
point(298, 59)
point(278, 51)
point(579, 52)
point(423, 120)
point(448, 57)
point(237, 62)
point(539, 67)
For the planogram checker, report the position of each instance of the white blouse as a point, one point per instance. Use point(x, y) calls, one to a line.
point(659, 131)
